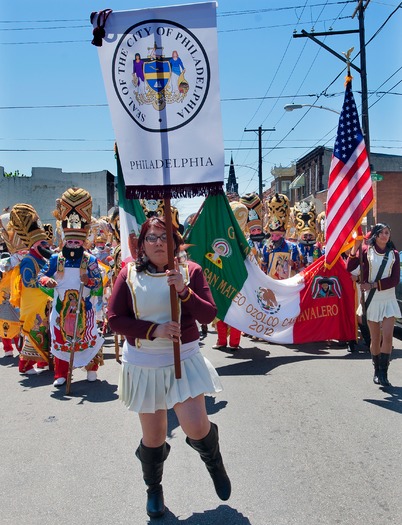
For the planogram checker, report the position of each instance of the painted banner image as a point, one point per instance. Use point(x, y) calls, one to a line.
point(161, 77)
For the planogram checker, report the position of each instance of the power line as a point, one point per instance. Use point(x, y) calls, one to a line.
point(336, 78)
point(241, 99)
point(219, 14)
point(234, 99)
point(108, 150)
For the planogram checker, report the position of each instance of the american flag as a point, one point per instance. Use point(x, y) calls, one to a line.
point(350, 190)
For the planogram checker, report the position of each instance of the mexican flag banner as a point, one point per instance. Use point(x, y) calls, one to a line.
point(315, 305)
point(131, 214)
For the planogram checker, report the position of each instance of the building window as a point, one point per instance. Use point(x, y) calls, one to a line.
point(285, 188)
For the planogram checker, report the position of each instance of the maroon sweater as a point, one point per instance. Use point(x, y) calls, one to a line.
point(199, 306)
point(383, 284)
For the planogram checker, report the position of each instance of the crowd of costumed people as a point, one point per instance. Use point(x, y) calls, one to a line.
point(45, 270)
point(63, 289)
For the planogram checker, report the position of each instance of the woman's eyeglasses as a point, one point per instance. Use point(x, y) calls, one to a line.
point(152, 239)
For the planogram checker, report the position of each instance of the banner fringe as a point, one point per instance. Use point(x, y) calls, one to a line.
point(175, 192)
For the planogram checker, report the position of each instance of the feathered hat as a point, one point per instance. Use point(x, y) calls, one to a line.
point(25, 221)
point(278, 213)
point(74, 210)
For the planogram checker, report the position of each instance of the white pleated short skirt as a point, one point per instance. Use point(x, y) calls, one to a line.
point(383, 304)
point(145, 390)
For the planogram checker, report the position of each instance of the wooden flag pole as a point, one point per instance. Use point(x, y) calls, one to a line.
point(362, 301)
point(173, 295)
point(187, 232)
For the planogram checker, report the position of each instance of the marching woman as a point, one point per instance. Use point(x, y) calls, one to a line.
point(139, 309)
point(381, 274)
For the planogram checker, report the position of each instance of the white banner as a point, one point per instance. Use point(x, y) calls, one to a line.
point(160, 70)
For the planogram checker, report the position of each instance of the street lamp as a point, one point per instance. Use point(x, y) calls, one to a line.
point(291, 107)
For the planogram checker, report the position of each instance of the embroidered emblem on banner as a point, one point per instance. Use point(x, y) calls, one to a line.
point(161, 74)
point(221, 249)
point(267, 300)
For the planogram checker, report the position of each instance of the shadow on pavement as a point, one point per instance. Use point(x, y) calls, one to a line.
point(9, 361)
point(223, 515)
point(37, 380)
point(392, 402)
point(259, 362)
point(96, 392)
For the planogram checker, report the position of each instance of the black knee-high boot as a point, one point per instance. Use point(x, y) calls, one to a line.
point(383, 369)
point(208, 448)
point(152, 460)
point(376, 364)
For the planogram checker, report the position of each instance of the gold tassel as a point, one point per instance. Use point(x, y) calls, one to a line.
point(348, 79)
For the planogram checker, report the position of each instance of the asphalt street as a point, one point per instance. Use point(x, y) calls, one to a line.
point(306, 436)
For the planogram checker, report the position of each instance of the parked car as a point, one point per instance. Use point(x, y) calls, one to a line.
point(398, 321)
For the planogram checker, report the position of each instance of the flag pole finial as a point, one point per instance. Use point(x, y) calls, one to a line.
point(347, 56)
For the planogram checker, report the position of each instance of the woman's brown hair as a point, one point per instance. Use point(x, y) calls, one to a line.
point(159, 222)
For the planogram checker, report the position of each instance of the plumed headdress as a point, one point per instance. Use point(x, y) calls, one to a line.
point(74, 210)
point(254, 206)
point(104, 232)
point(240, 211)
point(153, 207)
point(320, 224)
point(156, 208)
point(25, 221)
point(114, 223)
point(10, 236)
point(278, 213)
point(291, 232)
point(49, 232)
point(305, 216)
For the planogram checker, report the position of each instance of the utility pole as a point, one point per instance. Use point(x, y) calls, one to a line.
point(362, 71)
point(260, 131)
point(363, 79)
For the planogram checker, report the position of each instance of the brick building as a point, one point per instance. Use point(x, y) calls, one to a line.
point(310, 182)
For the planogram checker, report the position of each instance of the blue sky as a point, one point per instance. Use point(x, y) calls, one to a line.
point(53, 105)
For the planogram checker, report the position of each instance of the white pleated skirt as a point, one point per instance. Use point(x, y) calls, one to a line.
point(145, 390)
point(383, 304)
